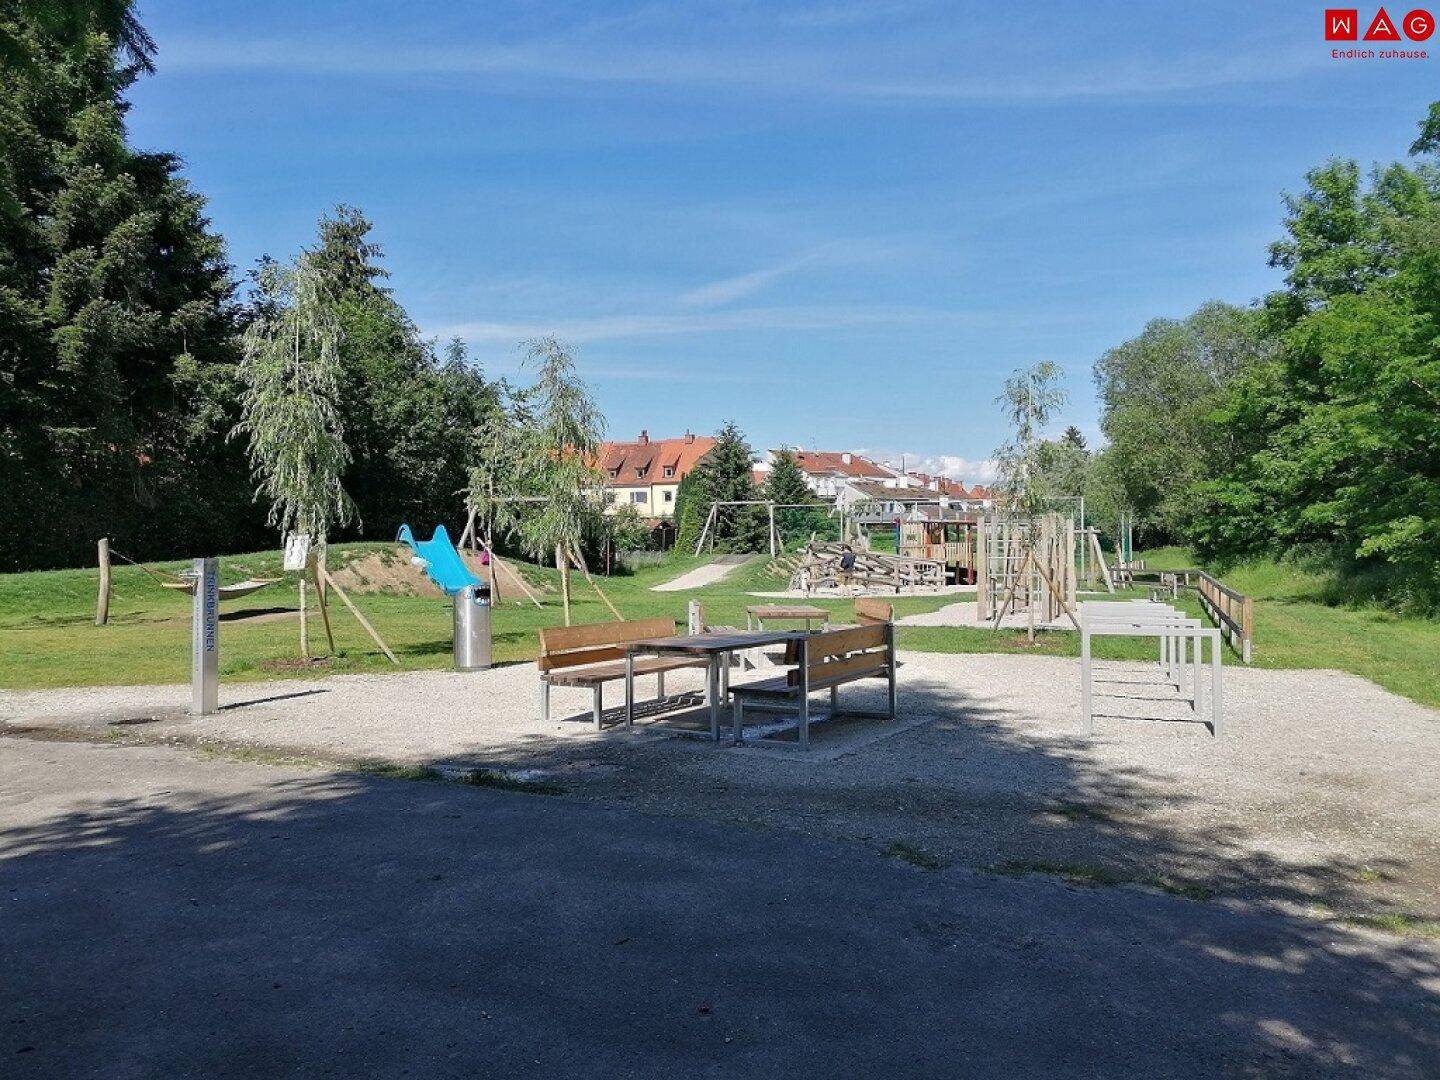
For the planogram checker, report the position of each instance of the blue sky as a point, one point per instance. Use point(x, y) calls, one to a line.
point(839, 223)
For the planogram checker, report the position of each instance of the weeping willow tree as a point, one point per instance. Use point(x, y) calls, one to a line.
point(1029, 401)
point(499, 477)
point(289, 416)
point(561, 444)
point(288, 409)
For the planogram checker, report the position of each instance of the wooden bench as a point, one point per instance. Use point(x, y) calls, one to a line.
point(871, 612)
point(594, 654)
point(824, 661)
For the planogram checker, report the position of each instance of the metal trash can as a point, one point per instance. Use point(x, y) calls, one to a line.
point(472, 630)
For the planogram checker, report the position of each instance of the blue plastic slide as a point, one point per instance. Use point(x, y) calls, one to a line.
point(441, 561)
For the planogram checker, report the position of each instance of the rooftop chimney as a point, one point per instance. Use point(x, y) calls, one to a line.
point(845, 458)
point(689, 436)
point(644, 437)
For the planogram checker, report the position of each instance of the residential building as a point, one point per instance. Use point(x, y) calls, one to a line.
point(827, 471)
point(646, 473)
point(871, 501)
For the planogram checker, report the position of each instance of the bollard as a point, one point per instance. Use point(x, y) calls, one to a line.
point(205, 638)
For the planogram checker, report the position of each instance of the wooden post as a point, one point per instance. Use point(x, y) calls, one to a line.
point(321, 575)
point(1247, 627)
point(515, 577)
point(772, 530)
point(580, 562)
point(102, 602)
point(304, 625)
point(375, 636)
point(982, 569)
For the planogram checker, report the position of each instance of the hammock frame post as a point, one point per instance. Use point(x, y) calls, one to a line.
point(102, 602)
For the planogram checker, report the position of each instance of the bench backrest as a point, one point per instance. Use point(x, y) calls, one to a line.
point(856, 652)
point(592, 643)
point(869, 611)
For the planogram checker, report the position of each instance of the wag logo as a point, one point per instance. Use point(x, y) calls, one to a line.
point(1343, 24)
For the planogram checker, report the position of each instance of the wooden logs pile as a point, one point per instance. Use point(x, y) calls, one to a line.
point(818, 569)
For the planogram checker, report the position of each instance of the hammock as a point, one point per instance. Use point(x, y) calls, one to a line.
point(227, 592)
point(186, 583)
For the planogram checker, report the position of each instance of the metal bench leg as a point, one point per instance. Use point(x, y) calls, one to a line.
point(544, 701)
point(712, 693)
point(1196, 646)
point(599, 705)
point(630, 688)
point(660, 685)
point(804, 721)
point(1216, 694)
point(738, 721)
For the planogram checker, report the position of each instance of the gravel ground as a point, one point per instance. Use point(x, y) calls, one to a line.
point(1322, 795)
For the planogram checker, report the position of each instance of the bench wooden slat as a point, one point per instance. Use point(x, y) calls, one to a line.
point(839, 642)
point(851, 667)
point(600, 673)
point(580, 657)
point(822, 677)
point(561, 639)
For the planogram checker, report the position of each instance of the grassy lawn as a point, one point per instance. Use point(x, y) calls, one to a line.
point(48, 637)
point(1296, 628)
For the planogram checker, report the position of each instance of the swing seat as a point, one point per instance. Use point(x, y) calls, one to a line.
point(227, 592)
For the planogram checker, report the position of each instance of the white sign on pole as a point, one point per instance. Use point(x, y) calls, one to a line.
point(297, 551)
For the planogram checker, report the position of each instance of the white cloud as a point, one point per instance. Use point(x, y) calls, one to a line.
point(966, 470)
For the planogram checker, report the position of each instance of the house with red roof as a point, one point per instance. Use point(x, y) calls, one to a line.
point(646, 473)
point(828, 471)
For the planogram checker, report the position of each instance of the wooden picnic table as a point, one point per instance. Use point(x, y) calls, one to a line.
point(756, 614)
point(716, 646)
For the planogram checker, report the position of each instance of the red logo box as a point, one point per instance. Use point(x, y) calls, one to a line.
point(1342, 24)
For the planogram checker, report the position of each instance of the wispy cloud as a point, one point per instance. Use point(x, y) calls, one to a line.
point(843, 252)
point(616, 327)
point(787, 66)
point(728, 290)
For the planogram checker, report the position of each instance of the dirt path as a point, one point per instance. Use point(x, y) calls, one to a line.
point(701, 576)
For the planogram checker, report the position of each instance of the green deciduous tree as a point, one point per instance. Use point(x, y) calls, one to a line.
point(1158, 392)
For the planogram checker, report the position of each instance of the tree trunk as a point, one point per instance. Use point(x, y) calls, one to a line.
point(563, 565)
